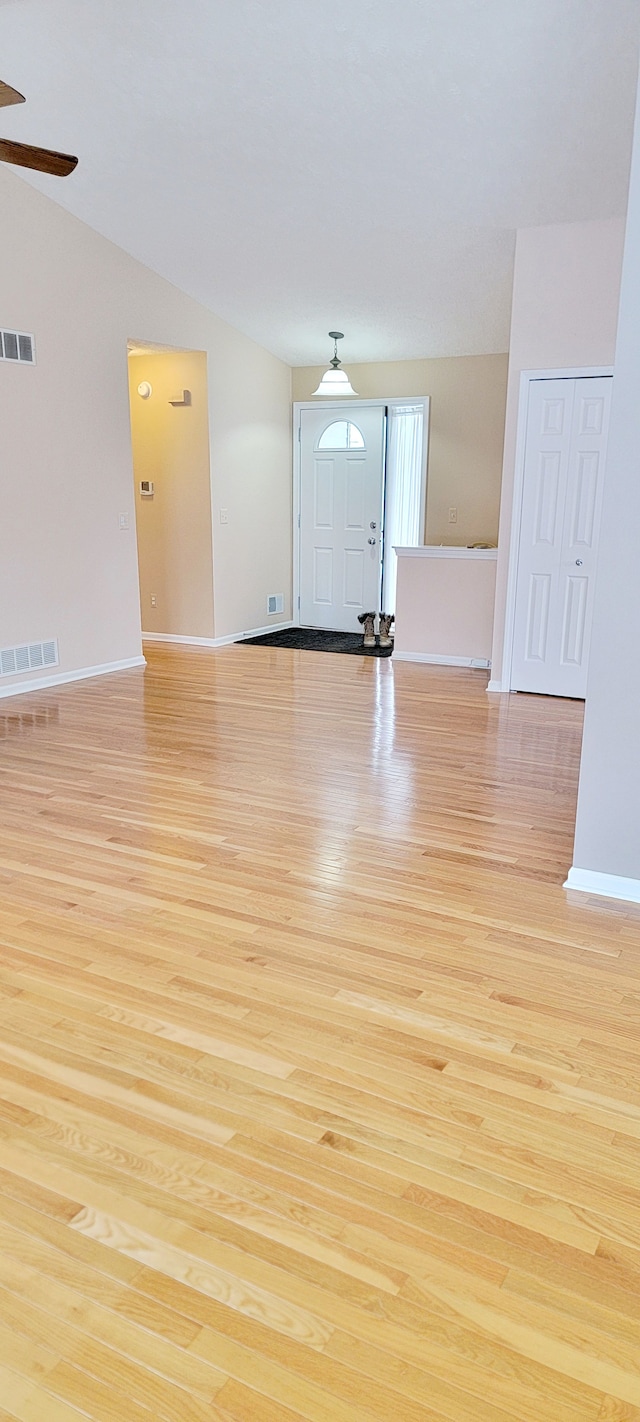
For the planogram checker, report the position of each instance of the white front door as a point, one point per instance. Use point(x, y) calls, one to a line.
point(565, 450)
point(341, 489)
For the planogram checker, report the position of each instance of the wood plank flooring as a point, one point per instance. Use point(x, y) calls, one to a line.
point(319, 1097)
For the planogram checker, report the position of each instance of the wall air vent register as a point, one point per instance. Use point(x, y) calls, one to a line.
point(17, 346)
point(32, 656)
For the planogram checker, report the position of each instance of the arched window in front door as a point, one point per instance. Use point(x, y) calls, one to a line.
point(341, 434)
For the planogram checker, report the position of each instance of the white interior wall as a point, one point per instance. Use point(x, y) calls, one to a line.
point(66, 568)
point(607, 844)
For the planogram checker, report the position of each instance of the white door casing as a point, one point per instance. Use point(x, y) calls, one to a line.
point(564, 461)
point(341, 495)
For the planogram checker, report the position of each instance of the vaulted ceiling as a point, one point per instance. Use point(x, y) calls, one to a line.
point(298, 165)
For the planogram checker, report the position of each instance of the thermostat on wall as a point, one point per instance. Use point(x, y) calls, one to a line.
point(146, 488)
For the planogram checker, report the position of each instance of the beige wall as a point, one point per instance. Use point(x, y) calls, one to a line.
point(608, 821)
point(444, 607)
point(251, 437)
point(171, 448)
point(564, 314)
point(468, 396)
point(66, 568)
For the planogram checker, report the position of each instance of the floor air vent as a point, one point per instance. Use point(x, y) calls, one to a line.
point(17, 345)
point(33, 656)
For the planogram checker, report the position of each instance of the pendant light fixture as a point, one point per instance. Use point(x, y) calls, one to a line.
point(335, 380)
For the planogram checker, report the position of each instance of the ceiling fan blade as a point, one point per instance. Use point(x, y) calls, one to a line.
point(44, 160)
point(9, 96)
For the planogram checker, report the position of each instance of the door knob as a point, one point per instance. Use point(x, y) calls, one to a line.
point(372, 525)
point(578, 562)
point(372, 540)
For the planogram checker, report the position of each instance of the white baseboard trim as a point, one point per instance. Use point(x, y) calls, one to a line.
point(183, 641)
point(434, 659)
point(254, 632)
point(215, 641)
point(60, 678)
point(498, 686)
point(609, 886)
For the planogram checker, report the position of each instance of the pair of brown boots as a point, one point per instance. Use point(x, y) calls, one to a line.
point(368, 622)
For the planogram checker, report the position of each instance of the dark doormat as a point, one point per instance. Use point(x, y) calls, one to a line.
point(313, 639)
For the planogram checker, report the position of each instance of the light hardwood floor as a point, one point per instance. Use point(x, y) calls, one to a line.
point(319, 1097)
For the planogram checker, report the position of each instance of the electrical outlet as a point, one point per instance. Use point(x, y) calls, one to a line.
point(453, 514)
point(224, 515)
point(154, 600)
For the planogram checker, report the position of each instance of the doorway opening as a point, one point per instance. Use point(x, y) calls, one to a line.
point(360, 491)
point(168, 396)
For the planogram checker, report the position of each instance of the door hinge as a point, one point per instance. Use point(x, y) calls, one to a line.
point(298, 602)
point(298, 520)
point(299, 433)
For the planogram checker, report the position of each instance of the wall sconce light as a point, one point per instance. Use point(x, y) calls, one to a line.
point(145, 390)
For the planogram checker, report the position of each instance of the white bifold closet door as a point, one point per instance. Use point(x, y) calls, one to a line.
point(565, 451)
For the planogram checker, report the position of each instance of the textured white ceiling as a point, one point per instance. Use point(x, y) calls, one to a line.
point(299, 166)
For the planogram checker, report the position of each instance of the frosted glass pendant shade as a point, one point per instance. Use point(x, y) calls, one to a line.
point(335, 382)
